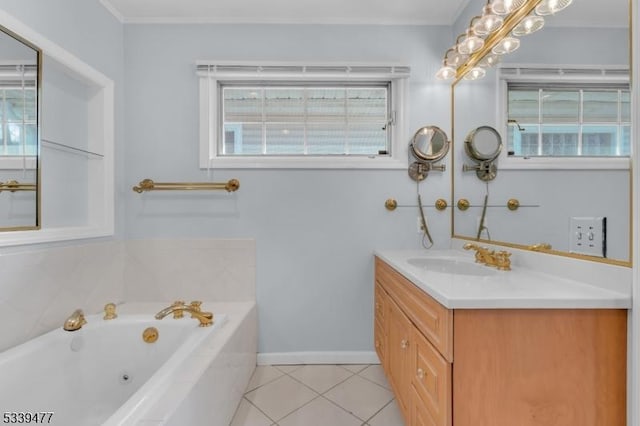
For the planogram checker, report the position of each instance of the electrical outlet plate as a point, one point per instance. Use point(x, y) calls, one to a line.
point(588, 235)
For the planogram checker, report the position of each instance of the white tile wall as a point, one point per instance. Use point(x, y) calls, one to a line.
point(194, 269)
point(40, 288)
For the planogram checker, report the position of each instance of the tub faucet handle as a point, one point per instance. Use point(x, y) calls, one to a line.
point(75, 321)
point(178, 313)
point(195, 305)
point(110, 311)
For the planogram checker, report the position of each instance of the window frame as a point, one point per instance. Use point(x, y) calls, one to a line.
point(210, 74)
point(555, 74)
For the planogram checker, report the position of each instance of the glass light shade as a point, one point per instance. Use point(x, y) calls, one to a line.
point(504, 7)
point(549, 7)
point(487, 23)
point(470, 43)
point(446, 73)
point(475, 73)
point(506, 45)
point(489, 60)
point(528, 25)
point(454, 59)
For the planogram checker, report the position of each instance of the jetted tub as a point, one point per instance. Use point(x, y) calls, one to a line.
point(106, 374)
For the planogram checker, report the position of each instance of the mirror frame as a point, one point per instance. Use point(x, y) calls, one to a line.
point(632, 171)
point(38, 207)
point(101, 108)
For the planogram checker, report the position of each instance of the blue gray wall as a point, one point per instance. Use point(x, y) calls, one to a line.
point(315, 230)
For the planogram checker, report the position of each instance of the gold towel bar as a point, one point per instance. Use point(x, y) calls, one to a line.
point(14, 185)
point(149, 185)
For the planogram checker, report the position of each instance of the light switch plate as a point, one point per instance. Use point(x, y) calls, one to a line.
point(588, 235)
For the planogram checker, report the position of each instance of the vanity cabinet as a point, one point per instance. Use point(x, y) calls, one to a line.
point(498, 367)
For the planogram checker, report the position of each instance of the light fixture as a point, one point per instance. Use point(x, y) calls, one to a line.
point(453, 58)
point(475, 73)
point(549, 7)
point(504, 7)
point(495, 33)
point(446, 73)
point(470, 43)
point(528, 25)
point(487, 23)
point(489, 60)
point(506, 45)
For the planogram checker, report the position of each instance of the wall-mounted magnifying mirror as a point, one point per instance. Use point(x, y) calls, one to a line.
point(483, 146)
point(20, 77)
point(428, 146)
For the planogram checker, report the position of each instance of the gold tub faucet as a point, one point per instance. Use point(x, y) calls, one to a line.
point(179, 307)
point(75, 321)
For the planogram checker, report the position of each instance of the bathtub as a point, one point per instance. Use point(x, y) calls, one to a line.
point(106, 374)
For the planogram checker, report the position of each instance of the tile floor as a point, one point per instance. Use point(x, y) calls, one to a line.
point(318, 395)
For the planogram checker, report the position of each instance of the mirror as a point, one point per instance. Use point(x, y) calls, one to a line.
point(428, 146)
point(536, 200)
point(483, 145)
point(20, 76)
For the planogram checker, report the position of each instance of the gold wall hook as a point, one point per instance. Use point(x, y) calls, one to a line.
point(463, 204)
point(441, 204)
point(513, 204)
point(391, 204)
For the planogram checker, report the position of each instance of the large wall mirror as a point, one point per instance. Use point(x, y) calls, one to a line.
point(56, 141)
point(561, 105)
point(20, 77)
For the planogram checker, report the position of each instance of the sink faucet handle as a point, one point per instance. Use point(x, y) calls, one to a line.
point(195, 305)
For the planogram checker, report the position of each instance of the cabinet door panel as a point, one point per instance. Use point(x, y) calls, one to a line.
point(431, 379)
point(399, 345)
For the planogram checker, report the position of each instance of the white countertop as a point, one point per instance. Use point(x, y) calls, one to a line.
point(518, 288)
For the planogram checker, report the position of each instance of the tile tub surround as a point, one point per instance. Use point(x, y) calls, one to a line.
point(318, 395)
point(190, 269)
point(40, 287)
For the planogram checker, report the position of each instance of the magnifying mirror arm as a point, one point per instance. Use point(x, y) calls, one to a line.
point(485, 170)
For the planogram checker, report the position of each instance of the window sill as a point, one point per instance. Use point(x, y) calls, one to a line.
point(305, 163)
point(573, 163)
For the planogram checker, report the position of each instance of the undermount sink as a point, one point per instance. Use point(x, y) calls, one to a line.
point(451, 266)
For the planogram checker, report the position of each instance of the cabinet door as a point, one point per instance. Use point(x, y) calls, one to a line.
point(380, 325)
point(431, 380)
point(398, 352)
point(419, 413)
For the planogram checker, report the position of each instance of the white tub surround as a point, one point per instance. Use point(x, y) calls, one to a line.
point(522, 287)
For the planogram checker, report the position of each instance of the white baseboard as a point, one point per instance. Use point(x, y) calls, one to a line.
point(289, 358)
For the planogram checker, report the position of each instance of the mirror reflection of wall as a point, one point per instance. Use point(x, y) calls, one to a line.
point(65, 146)
point(552, 191)
point(19, 78)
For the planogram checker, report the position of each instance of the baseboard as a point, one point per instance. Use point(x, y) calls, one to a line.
point(288, 358)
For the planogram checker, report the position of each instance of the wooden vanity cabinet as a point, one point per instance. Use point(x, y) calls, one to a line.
point(524, 367)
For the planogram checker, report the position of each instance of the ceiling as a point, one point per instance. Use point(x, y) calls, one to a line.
point(401, 12)
point(433, 12)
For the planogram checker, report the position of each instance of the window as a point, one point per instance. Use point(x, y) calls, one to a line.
point(578, 113)
point(18, 112)
point(301, 116)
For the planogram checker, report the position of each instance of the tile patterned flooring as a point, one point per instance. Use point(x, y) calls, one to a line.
point(318, 395)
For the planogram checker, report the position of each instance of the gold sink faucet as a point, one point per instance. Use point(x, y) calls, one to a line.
point(178, 308)
point(500, 260)
point(75, 321)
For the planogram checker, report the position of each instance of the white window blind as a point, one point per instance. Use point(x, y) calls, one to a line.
point(567, 112)
point(285, 115)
